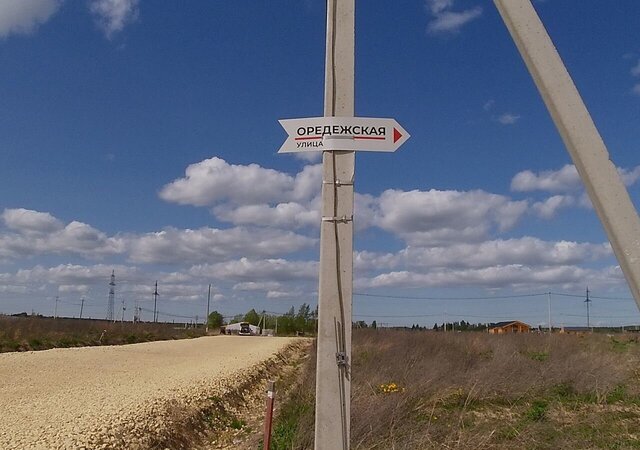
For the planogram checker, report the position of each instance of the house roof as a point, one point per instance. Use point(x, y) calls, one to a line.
point(504, 324)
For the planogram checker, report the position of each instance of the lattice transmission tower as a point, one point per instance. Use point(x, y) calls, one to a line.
point(112, 295)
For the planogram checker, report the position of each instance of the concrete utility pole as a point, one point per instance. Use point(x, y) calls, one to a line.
point(588, 152)
point(333, 378)
point(55, 309)
point(155, 303)
point(549, 306)
point(206, 327)
point(81, 306)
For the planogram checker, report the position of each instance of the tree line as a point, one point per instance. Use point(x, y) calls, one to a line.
point(305, 320)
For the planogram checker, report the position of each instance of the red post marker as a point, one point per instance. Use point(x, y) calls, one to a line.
point(268, 419)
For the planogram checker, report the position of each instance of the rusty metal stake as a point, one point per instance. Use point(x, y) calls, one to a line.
point(268, 419)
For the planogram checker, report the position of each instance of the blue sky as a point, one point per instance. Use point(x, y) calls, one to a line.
point(141, 137)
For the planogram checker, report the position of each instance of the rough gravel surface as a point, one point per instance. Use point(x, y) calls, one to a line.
point(115, 396)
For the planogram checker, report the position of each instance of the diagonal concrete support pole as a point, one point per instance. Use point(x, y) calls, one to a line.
point(589, 153)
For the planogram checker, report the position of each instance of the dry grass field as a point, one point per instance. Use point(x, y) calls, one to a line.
point(429, 390)
point(41, 333)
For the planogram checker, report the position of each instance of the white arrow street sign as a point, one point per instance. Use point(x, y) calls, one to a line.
point(342, 133)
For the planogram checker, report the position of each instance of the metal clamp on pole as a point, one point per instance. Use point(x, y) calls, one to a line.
point(339, 183)
point(341, 359)
point(343, 219)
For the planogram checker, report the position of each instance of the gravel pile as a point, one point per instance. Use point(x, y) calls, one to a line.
point(116, 397)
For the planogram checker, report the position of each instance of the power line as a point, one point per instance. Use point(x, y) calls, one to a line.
point(597, 297)
point(408, 297)
point(528, 314)
point(594, 317)
point(397, 317)
point(489, 297)
point(157, 312)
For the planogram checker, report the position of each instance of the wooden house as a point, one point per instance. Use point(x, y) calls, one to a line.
point(513, 326)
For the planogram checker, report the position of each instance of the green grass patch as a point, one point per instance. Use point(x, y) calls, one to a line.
point(36, 344)
point(287, 424)
point(618, 394)
point(237, 424)
point(537, 411)
point(538, 356)
point(621, 346)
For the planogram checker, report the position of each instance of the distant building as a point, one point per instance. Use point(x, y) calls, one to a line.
point(242, 328)
point(576, 330)
point(514, 326)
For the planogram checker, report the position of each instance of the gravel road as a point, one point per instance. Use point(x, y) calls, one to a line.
point(111, 397)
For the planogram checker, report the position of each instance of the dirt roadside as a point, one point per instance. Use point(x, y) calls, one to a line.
point(118, 397)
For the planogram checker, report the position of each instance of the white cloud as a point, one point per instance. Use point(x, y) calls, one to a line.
point(250, 195)
point(26, 221)
point(86, 240)
point(285, 215)
point(38, 233)
point(33, 233)
point(303, 209)
point(307, 183)
point(209, 244)
point(113, 15)
point(636, 89)
point(371, 261)
point(24, 16)
point(629, 176)
point(526, 251)
point(508, 118)
point(513, 276)
point(548, 208)
point(447, 21)
point(635, 70)
point(435, 217)
point(584, 201)
point(437, 6)
point(564, 180)
point(488, 106)
point(364, 210)
point(73, 288)
point(310, 157)
point(72, 280)
point(254, 286)
point(214, 180)
point(276, 295)
point(72, 274)
point(270, 270)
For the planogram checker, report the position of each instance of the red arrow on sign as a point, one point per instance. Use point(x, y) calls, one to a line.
point(396, 135)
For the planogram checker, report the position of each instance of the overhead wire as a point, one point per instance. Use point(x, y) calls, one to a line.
point(408, 297)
